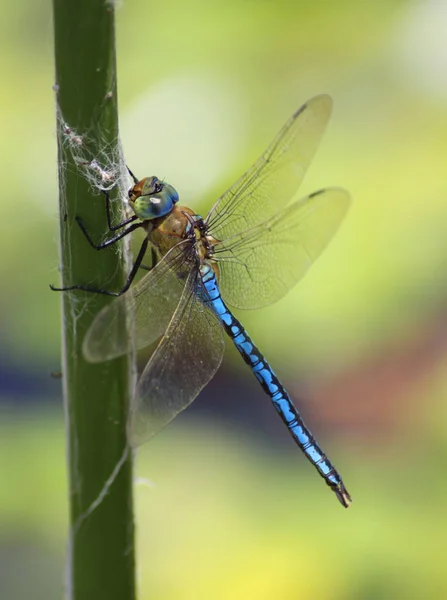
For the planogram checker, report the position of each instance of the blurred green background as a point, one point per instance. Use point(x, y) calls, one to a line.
point(227, 507)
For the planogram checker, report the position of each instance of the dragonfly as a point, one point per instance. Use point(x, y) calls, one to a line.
point(254, 245)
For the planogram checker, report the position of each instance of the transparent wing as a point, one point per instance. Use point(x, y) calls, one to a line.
point(259, 266)
point(145, 310)
point(275, 177)
point(185, 360)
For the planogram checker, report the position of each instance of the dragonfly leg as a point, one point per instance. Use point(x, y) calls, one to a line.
point(135, 179)
point(109, 218)
point(130, 278)
point(113, 240)
point(153, 261)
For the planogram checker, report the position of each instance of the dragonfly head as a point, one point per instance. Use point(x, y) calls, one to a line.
point(151, 198)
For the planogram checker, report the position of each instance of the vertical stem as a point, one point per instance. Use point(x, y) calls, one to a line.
point(101, 547)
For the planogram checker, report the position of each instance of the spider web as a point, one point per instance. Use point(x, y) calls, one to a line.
point(103, 167)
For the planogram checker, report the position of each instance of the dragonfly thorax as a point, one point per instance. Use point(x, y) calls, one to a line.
point(182, 225)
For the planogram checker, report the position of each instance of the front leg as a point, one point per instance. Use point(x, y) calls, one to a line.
point(111, 241)
point(109, 217)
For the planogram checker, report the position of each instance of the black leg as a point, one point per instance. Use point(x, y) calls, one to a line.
point(109, 220)
point(153, 261)
point(127, 285)
point(135, 179)
point(110, 242)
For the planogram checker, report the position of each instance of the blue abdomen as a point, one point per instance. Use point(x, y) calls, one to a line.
point(210, 294)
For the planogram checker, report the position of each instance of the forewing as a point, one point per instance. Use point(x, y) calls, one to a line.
point(185, 360)
point(272, 181)
point(259, 266)
point(140, 316)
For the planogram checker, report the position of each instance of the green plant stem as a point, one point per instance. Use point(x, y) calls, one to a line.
point(101, 548)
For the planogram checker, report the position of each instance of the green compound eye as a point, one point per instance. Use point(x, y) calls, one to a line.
point(157, 199)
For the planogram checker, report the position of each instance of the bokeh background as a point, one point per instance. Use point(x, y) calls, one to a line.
point(227, 507)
